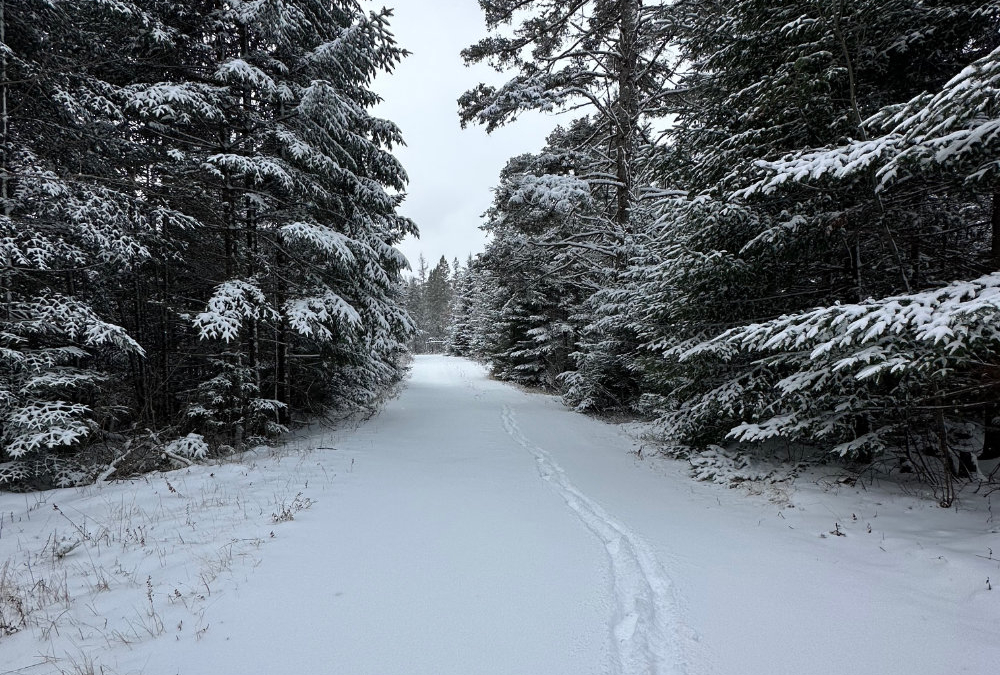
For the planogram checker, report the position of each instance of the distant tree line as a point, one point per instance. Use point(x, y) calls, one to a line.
point(197, 228)
point(430, 300)
point(766, 225)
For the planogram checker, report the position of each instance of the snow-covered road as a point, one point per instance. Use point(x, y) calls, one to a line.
point(475, 529)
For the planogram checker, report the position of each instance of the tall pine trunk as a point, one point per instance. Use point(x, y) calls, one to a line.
point(991, 436)
point(995, 231)
point(625, 114)
point(8, 271)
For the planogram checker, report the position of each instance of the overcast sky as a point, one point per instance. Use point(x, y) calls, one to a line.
point(451, 170)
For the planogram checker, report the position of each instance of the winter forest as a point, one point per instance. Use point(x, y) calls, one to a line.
point(770, 226)
point(767, 226)
point(713, 389)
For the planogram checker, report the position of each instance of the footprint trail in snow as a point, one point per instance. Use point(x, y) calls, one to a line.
point(647, 634)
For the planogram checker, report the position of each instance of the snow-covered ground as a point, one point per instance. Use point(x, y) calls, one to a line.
point(472, 528)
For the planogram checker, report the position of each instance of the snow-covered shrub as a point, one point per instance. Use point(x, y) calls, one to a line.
point(228, 408)
point(192, 446)
point(47, 349)
point(725, 467)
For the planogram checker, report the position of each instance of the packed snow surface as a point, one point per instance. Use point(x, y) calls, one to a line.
point(473, 528)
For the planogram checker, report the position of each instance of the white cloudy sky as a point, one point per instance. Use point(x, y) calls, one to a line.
point(451, 170)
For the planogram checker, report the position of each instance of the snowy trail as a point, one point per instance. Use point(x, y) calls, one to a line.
point(472, 528)
point(436, 551)
point(647, 633)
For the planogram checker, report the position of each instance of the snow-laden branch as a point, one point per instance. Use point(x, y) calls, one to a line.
point(838, 163)
point(332, 243)
point(316, 316)
point(232, 303)
point(958, 126)
point(551, 192)
point(892, 334)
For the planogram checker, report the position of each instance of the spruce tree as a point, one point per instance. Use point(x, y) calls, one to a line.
point(297, 224)
point(198, 223)
point(778, 143)
point(71, 225)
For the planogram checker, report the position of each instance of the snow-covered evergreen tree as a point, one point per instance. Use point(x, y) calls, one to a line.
point(612, 58)
point(544, 259)
point(608, 55)
point(198, 223)
point(799, 195)
point(437, 298)
point(292, 194)
point(466, 305)
point(70, 225)
point(430, 301)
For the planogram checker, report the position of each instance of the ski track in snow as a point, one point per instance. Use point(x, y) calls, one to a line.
point(647, 632)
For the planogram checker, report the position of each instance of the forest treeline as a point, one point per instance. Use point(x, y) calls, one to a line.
point(767, 225)
point(197, 228)
point(430, 298)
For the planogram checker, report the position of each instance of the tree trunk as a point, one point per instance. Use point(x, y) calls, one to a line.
point(991, 438)
point(991, 433)
point(282, 385)
point(625, 114)
point(137, 364)
point(168, 347)
point(229, 228)
point(8, 273)
point(856, 271)
point(995, 231)
point(4, 117)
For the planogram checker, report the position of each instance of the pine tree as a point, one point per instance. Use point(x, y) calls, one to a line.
point(543, 258)
point(612, 58)
point(604, 54)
